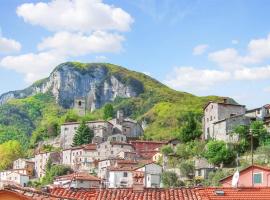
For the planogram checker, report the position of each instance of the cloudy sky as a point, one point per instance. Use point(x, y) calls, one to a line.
point(205, 47)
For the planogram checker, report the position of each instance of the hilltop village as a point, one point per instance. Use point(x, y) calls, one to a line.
point(118, 157)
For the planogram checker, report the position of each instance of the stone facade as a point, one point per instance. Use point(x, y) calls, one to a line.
point(214, 112)
point(41, 160)
point(80, 158)
point(101, 129)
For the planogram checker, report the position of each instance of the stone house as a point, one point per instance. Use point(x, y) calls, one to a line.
point(102, 129)
point(77, 180)
point(129, 127)
point(217, 111)
point(118, 137)
point(41, 160)
point(224, 129)
point(4, 174)
point(110, 149)
point(80, 158)
point(28, 165)
point(202, 168)
point(152, 175)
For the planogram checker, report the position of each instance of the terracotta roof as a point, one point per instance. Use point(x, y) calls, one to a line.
point(247, 168)
point(78, 176)
point(85, 147)
point(148, 141)
point(234, 193)
point(129, 194)
point(121, 168)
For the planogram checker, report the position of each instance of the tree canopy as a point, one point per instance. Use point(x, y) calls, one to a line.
point(10, 151)
point(108, 111)
point(84, 135)
point(170, 180)
point(191, 128)
point(218, 152)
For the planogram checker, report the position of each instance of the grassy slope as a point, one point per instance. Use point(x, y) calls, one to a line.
point(159, 105)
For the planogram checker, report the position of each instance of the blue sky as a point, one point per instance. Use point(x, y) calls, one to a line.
point(205, 47)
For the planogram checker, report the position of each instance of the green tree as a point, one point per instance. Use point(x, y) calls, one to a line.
point(171, 180)
point(84, 135)
point(260, 133)
point(187, 169)
point(214, 178)
point(108, 111)
point(10, 151)
point(191, 128)
point(52, 171)
point(182, 151)
point(218, 152)
point(166, 150)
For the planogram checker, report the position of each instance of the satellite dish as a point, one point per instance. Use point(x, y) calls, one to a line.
point(235, 179)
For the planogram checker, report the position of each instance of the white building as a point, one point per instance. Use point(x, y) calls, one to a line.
point(214, 112)
point(25, 164)
point(102, 129)
point(120, 177)
point(80, 158)
point(16, 176)
point(152, 175)
point(77, 180)
point(41, 160)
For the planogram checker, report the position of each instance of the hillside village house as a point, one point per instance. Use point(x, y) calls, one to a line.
point(41, 160)
point(120, 177)
point(152, 174)
point(252, 176)
point(112, 169)
point(214, 113)
point(101, 129)
point(80, 158)
point(147, 149)
point(77, 180)
point(27, 165)
point(110, 149)
point(18, 176)
point(203, 168)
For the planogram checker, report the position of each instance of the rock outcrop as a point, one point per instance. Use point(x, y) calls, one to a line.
point(97, 83)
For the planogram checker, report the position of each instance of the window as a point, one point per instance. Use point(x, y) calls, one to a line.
point(258, 112)
point(257, 178)
point(111, 152)
point(66, 128)
point(211, 118)
point(208, 130)
point(125, 174)
point(80, 103)
point(207, 119)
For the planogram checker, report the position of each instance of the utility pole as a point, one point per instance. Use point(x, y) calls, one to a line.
point(251, 144)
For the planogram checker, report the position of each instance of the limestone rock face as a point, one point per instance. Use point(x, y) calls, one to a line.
point(96, 83)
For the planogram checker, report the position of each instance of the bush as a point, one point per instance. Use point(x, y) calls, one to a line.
point(217, 152)
point(170, 180)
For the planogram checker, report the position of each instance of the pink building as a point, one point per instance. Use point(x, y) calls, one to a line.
point(252, 176)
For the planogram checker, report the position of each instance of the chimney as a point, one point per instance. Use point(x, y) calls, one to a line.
point(138, 185)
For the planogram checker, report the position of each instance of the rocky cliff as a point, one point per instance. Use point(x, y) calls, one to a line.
point(97, 83)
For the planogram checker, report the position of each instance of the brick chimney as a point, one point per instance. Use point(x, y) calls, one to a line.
point(138, 178)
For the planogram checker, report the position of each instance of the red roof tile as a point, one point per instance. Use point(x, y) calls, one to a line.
point(234, 193)
point(78, 176)
point(129, 194)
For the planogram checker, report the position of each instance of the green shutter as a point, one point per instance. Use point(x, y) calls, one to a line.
point(257, 178)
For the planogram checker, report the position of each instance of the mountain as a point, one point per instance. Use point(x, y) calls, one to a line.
point(37, 111)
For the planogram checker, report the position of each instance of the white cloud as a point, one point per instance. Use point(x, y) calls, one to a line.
point(256, 73)
point(9, 45)
point(75, 15)
point(200, 49)
point(257, 51)
point(33, 66)
point(190, 78)
point(72, 44)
